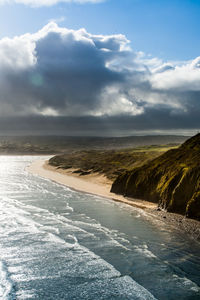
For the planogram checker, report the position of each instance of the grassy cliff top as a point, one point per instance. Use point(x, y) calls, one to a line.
point(172, 179)
point(111, 163)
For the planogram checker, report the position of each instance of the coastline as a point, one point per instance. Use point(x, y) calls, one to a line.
point(99, 185)
point(95, 184)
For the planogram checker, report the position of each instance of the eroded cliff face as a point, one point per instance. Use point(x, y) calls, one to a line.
point(172, 180)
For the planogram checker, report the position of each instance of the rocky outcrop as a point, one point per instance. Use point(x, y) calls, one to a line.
point(172, 180)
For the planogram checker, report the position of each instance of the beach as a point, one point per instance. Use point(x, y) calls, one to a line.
point(57, 243)
point(98, 184)
point(93, 183)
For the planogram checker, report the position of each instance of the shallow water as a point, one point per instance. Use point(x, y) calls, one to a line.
point(56, 243)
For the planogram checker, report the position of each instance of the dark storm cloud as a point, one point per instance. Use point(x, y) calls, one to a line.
point(65, 80)
point(68, 76)
point(154, 120)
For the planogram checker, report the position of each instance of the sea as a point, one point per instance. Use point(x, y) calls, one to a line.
point(57, 243)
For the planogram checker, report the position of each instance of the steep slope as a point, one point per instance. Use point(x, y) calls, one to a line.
point(172, 180)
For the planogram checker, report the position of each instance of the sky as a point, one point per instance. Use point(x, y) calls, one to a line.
point(92, 67)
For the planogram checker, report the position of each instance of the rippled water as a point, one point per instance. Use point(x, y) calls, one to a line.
point(56, 243)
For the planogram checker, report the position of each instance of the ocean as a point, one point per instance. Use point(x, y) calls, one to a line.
point(57, 243)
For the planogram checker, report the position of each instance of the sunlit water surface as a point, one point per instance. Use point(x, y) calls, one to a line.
point(56, 243)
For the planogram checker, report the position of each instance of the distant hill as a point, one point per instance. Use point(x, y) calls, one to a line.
point(172, 180)
point(64, 144)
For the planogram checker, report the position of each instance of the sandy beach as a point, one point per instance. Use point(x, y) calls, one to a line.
point(92, 183)
point(99, 185)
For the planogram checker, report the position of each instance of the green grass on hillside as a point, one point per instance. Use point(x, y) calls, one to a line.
point(111, 163)
point(172, 180)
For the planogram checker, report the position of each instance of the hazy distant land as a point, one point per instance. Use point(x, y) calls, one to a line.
point(34, 145)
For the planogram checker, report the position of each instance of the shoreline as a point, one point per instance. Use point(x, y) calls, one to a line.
point(94, 184)
point(99, 185)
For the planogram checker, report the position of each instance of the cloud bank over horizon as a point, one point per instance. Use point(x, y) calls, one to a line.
point(58, 73)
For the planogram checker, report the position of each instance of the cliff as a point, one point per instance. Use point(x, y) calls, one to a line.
point(172, 180)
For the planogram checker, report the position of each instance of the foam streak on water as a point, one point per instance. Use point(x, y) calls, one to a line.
point(60, 244)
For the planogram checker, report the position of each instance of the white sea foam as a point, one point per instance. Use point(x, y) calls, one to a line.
point(189, 284)
point(56, 239)
point(69, 208)
point(143, 249)
point(43, 246)
point(6, 287)
point(28, 294)
point(83, 262)
point(113, 236)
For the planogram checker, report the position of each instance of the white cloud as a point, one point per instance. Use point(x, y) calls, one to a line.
point(185, 77)
point(17, 53)
point(115, 102)
point(61, 72)
point(57, 20)
point(37, 3)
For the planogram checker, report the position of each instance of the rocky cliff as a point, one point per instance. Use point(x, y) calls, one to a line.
point(172, 180)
